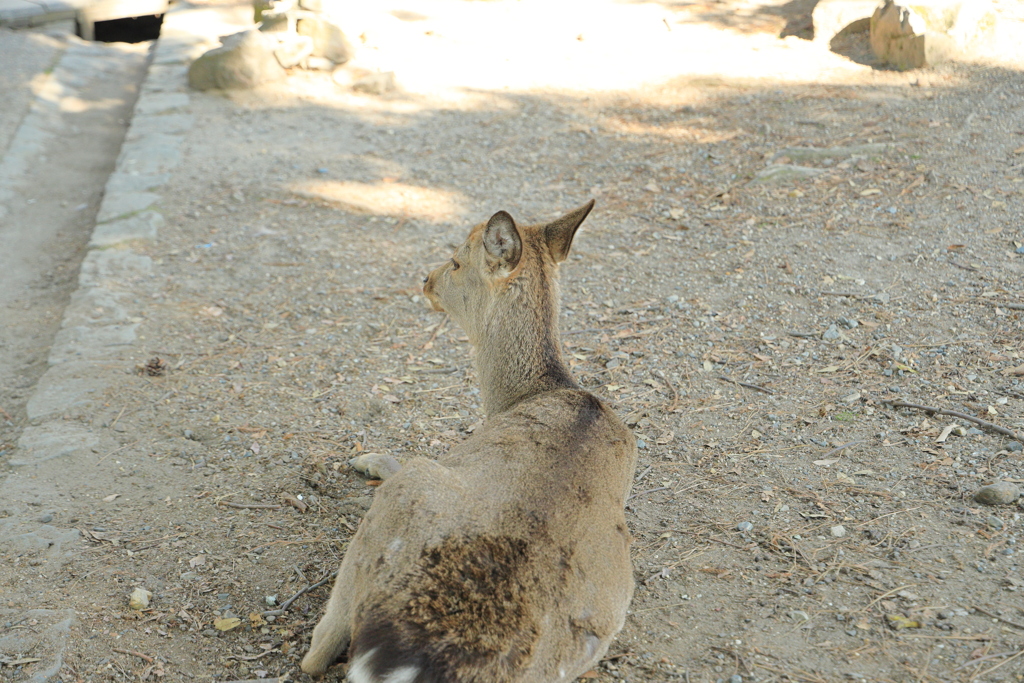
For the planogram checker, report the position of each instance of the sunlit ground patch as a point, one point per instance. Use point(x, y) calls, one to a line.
point(387, 199)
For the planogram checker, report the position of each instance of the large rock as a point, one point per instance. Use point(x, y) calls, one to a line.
point(833, 17)
point(328, 39)
point(245, 60)
point(927, 32)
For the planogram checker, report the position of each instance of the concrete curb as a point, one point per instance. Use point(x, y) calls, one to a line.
point(98, 328)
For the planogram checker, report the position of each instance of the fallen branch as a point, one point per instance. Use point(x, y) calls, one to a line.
point(710, 538)
point(251, 658)
point(839, 449)
point(288, 603)
point(746, 385)
point(249, 506)
point(963, 416)
point(996, 616)
point(644, 493)
point(135, 654)
point(675, 393)
point(989, 670)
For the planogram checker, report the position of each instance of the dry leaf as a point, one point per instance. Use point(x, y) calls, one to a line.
point(870, 191)
point(197, 561)
point(294, 502)
point(826, 463)
point(899, 622)
point(111, 498)
point(226, 624)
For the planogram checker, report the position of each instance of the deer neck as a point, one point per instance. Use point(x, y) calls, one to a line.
point(519, 355)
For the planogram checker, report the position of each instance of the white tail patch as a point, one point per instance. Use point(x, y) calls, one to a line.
point(360, 671)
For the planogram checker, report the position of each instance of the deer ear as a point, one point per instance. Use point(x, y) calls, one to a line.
point(559, 233)
point(502, 240)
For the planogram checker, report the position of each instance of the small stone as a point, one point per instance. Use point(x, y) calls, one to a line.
point(838, 531)
point(831, 334)
point(744, 526)
point(995, 523)
point(999, 493)
point(848, 323)
point(974, 431)
point(1015, 447)
point(139, 599)
point(735, 678)
point(271, 600)
point(45, 518)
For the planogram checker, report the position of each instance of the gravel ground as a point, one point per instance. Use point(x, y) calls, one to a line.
point(790, 522)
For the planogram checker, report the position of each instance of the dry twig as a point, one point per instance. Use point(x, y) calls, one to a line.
point(746, 385)
point(996, 616)
point(288, 603)
point(135, 654)
point(249, 506)
point(963, 416)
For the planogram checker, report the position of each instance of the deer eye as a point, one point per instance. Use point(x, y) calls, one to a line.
point(455, 265)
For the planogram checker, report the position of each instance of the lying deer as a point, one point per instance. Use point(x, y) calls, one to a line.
point(507, 559)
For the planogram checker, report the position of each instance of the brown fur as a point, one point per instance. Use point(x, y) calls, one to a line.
point(506, 560)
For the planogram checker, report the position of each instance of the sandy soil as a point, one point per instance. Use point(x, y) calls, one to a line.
point(790, 525)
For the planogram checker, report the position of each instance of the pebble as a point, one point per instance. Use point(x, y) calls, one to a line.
point(838, 531)
point(735, 678)
point(848, 323)
point(831, 333)
point(139, 599)
point(1000, 493)
point(45, 518)
point(1015, 447)
point(271, 600)
point(744, 526)
point(994, 522)
point(974, 431)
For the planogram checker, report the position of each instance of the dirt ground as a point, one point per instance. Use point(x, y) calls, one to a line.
point(789, 523)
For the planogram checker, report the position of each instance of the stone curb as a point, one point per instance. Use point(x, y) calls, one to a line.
point(100, 322)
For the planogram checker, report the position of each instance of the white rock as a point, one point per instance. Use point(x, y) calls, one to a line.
point(139, 599)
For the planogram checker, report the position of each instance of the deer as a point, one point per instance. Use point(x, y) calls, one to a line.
point(507, 559)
